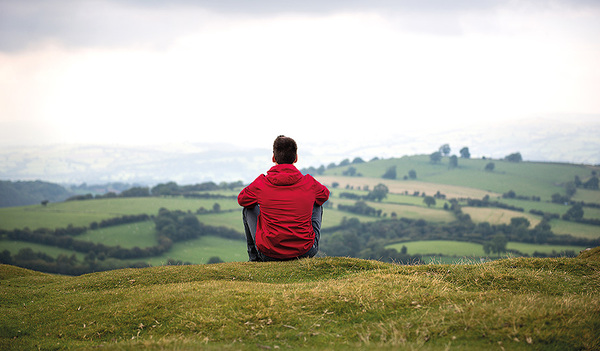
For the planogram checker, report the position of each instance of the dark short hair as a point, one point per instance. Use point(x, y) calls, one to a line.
point(284, 150)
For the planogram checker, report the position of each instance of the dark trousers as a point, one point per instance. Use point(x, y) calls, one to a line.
point(250, 217)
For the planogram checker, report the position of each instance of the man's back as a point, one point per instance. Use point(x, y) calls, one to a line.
point(286, 199)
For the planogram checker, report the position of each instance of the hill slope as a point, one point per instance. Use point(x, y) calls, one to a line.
point(25, 193)
point(325, 303)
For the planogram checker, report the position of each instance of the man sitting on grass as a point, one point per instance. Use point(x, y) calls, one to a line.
point(283, 210)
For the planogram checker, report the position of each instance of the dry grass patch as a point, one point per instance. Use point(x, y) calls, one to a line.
point(410, 186)
point(498, 215)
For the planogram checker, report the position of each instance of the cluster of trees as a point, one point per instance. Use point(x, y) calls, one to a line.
point(119, 221)
point(364, 240)
point(591, 183)
point(378, 193)
point(138, 191)
point(360, 207)
point(164, 189)
point(391, 173)
point(356, 239)
point(173, 189)
point(179, 226)
point(345, 162)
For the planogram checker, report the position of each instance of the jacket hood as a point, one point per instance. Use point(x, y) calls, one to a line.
point(284, 174)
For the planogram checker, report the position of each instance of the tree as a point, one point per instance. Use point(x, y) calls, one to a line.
point(490, 167)
point(429, 201)
point(445, 149)
point(216, 207)
point(570, 189)
point(592, 183)
point(358, 160)
point(435, 157)
point(514, 157)
point(214, 259)
point(464, 152)
point(378, 193)
point(575, 213)
point(351, 171)
point(390, 173)
point(453, 162)
point(44, 202)
point(412, 174)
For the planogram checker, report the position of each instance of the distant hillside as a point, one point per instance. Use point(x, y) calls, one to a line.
point(23, 193)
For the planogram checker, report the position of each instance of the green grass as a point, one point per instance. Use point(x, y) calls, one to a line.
point(575, 229)
point(322, 303)
point(442, 247)
point(14, 246)
point(198, 251)
point(525, 178)
point(498, 215)
point(458, 252)
point(531, 248)
point(82, 213)
point(141, 234)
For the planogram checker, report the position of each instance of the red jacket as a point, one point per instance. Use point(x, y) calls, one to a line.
point(286, 199)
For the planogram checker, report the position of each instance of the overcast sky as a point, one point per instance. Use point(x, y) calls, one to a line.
point(148, 72)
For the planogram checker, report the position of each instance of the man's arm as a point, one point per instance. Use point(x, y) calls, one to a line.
point(322, 194)
point(247, 197)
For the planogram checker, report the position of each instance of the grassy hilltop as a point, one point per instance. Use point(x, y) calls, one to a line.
point(320, 303)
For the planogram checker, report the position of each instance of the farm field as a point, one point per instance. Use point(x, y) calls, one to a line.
point(407, 186)
point(198, 251)
point(140, 234)
point(433, 248)
point(82, 213)
point(14, 246)
point(525, 178)
point(498, 215)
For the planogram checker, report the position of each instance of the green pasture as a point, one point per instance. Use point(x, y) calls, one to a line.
point(461, 249)
point(527, 206)
point(575, 229)
point(198, 251)
point(525, 178)
point(82, 213)
point(14, 246)
point(140, 234)
point(529, 249)
point(585, 195)
point(498, 215)
point(408, 187)
point(441, 247)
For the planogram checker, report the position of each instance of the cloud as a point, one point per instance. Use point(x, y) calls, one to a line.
point(109, 23)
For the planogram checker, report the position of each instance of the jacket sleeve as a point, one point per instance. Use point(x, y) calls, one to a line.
point(322, 193)
point(248, 196)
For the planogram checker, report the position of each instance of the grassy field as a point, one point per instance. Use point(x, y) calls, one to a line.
point(407, 186)
point(141, 234)
point(498, 215)
point(322, 303)
point(575, 229)
point(467, 249)
point(525, 178)
point(198, 251)
point(53, 251)
point(82, 213)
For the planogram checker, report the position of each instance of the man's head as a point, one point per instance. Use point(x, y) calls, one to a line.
point(285, 150)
